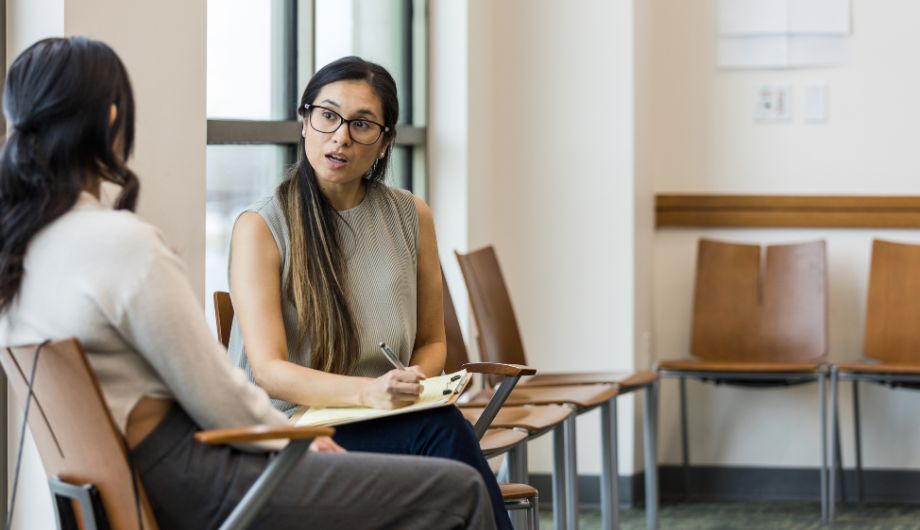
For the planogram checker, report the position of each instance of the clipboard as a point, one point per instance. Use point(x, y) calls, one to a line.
point(439, 391)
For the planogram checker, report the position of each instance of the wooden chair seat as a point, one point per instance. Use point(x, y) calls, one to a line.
point(875, 367)
point(582, 396)
point(498, 441)
point(511, 491)
point(624, 380)
point(699, 365)
point(532, 418)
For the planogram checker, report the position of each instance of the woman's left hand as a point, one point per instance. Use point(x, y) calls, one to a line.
point(325, 444)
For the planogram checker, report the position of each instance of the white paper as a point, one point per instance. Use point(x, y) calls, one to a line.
point(819, 17)
point(753, 17)
point(782, 52)
point(782, 33)
point(818, 51)
point(783, 17)
point(753, 52)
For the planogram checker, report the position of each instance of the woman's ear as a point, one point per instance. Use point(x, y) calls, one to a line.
point(113, 113)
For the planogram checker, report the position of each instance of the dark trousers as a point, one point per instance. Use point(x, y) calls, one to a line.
point(195, 486)
point(441, 432)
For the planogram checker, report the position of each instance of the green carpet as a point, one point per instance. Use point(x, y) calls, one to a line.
point(757, 516)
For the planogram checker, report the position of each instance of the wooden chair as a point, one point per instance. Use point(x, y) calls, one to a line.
point(493, 441)
point(759, 319)
point(892, 340)
point(498, 333)
point(85, 456)
point(500, 341)
point(534, 420)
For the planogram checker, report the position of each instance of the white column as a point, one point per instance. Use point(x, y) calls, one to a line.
point(163, 46)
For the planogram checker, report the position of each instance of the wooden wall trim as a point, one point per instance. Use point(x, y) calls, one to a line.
point(790, 211)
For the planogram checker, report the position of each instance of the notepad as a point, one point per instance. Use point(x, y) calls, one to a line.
point(436, 392)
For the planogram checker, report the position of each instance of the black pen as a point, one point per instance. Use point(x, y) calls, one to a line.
point(388, 353)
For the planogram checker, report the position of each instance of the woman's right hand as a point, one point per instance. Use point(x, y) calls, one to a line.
point(394, 389)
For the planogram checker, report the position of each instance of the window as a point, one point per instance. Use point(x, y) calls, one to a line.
point(260, 57)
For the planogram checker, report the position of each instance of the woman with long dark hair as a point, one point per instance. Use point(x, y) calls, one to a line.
point(72, 266)
point(335, 262)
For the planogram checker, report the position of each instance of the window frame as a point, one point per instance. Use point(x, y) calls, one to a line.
point(300, 36)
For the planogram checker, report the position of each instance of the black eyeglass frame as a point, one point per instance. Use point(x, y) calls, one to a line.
point(308, 116)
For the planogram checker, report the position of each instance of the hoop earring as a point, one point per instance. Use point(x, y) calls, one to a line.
point(370, 172)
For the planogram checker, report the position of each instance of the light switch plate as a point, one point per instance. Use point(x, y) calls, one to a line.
point(814, 103)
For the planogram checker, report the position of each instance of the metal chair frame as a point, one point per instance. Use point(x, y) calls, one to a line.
point(820, 376)
point(855, 377)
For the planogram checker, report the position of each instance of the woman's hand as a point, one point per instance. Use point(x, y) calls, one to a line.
point(325, 444)
point(394, 389)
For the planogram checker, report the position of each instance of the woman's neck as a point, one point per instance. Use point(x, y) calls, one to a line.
point(344, 196)
point(93, 187)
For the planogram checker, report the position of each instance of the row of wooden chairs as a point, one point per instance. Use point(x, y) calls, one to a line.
point(760, 319)
point(500, 341)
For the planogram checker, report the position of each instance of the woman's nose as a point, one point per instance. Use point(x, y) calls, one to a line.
point(342, 135)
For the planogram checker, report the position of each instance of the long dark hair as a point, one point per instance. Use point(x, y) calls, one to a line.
point(57, 101)
point(315, 279)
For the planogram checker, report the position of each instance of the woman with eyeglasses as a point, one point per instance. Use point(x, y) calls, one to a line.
point(71, 266)
point(336, 262)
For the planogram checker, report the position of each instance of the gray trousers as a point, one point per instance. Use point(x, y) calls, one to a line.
point(194, 486)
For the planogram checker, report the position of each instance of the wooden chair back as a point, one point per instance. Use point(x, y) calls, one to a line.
point(499, 337)
point(223, 313)
point(457, 354)
point(76, 436)
point(893, 305)
point(760, 305)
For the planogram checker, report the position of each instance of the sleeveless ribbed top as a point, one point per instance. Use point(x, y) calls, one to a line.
point(379, 238)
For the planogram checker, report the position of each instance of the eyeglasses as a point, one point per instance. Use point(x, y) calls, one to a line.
point(362, 131)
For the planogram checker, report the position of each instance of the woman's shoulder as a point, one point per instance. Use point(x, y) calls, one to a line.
point(404, 200)
point(99, 235)
point(267, 205)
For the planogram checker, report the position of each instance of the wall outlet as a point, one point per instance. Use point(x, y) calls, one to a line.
point(773, 103)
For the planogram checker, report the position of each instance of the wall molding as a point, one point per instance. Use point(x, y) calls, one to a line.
point(729, 483)
point(790, 211)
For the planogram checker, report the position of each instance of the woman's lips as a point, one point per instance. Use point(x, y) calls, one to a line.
point(336, 161)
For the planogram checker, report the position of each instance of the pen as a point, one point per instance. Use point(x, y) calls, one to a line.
point(388, 353)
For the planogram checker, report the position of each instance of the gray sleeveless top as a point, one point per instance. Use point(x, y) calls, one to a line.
point(380, 243)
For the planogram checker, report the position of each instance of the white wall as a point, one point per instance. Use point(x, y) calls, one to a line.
point(696, 133)
point(163, 47)
point(549, 181)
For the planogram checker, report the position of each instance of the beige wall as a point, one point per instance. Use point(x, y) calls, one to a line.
point(696, 133)
point(547, 183)
point(163, 46)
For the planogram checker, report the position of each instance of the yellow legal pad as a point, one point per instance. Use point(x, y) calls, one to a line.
point(436, 392)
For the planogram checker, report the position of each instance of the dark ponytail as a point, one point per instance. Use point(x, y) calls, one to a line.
point(57, 100)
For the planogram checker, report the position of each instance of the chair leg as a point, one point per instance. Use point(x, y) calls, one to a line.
point(559, 476)
point(535, 512)
point(827, 486)
point(827, 514)
point(651, 456)
point(517, 464)
point(571, 472)
point(610, 499)
point(684, 436)
point(517, 473)
point(857, 427)
point(837, 462)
